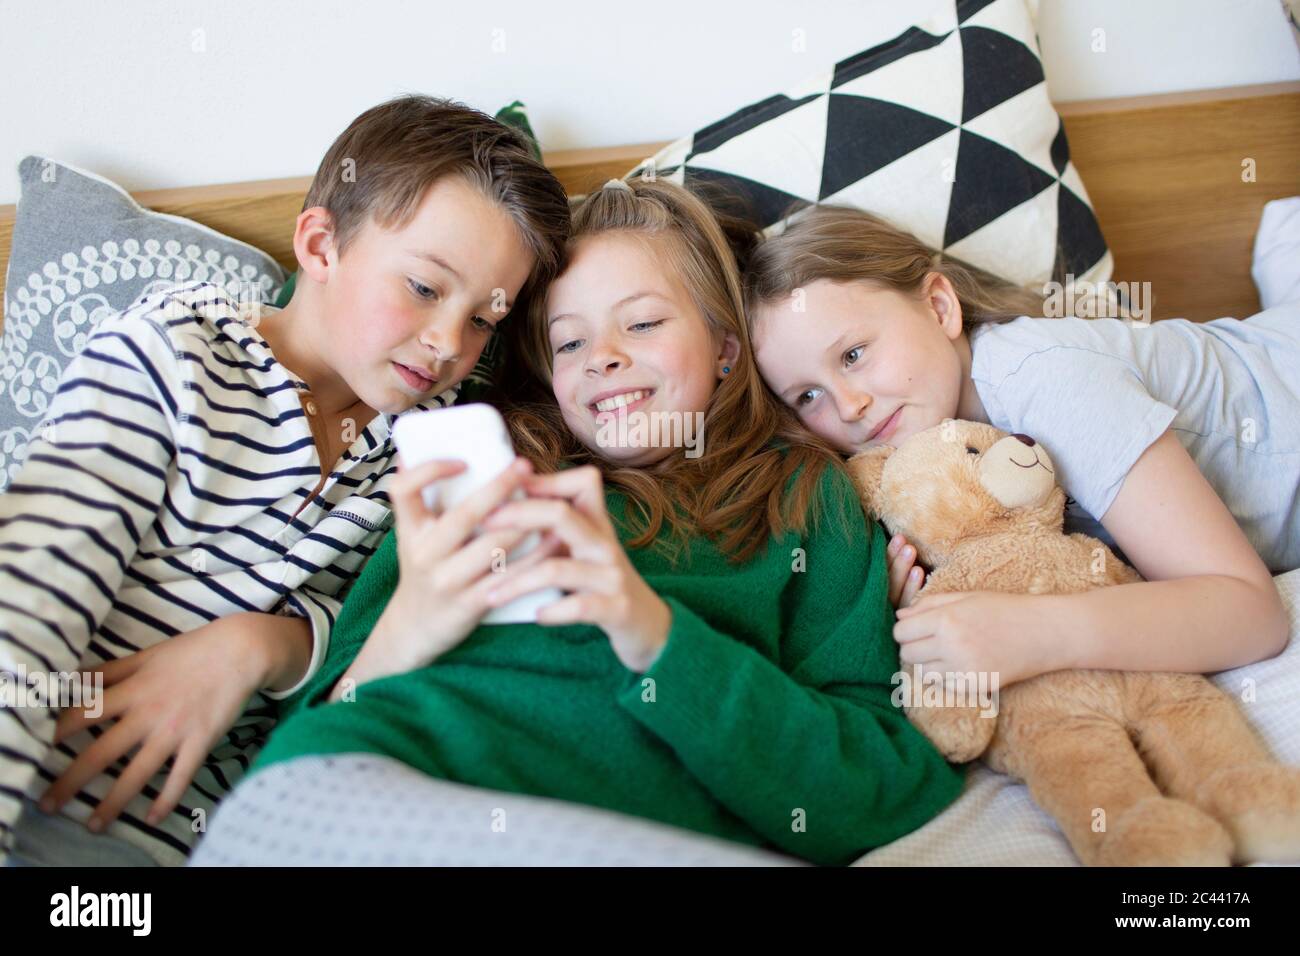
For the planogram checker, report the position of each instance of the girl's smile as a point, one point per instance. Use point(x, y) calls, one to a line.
point(885, 430)
point(620, 400)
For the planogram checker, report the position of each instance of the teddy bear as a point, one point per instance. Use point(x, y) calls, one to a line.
point(1137, 768)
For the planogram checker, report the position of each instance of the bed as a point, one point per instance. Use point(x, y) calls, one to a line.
point(1168, 179)
point(362, 810)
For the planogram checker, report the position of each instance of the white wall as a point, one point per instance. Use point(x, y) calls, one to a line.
point(120, 87)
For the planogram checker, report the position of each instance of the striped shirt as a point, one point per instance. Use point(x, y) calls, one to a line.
point(163, 491)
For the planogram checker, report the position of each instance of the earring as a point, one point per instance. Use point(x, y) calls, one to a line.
point(726, 370)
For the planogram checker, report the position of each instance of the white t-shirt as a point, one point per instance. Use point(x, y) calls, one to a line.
point(1098, 392)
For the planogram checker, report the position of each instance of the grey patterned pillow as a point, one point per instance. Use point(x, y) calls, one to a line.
point(83, 249)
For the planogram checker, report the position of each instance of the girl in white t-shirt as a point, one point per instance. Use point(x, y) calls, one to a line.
point(1181, 439)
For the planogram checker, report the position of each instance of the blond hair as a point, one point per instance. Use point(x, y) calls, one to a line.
point(842, 244)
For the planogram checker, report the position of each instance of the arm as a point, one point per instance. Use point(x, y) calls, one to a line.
point(286, 645)
point(383, 629)
point(810, 751)
point(219, 665)
point(1208, 603)
point(316, 613)
point(1210, 606)
point(71, 522)
point(362, 612)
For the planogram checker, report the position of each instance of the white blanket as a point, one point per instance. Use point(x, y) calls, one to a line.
point(366, 810)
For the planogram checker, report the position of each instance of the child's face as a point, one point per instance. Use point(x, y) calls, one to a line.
point(388, 303)
point(620, 325)
point(862, 364)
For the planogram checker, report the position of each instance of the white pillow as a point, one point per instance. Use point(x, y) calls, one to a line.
point(1276, 262)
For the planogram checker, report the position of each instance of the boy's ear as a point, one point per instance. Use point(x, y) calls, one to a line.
point(866, 469)
point(313, 242)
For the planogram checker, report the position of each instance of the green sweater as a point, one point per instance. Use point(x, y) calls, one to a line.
point(766, 719)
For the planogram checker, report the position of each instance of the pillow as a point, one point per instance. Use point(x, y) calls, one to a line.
point(1275, 262)
point(946, 131)
point(83, 249)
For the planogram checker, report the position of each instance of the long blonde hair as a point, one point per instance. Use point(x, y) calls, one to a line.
point(842, 244)
point(738, 491)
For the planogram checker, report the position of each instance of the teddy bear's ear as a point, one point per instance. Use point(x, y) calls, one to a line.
point(866, 469)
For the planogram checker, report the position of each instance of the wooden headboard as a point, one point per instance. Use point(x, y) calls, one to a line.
point(1165, 175)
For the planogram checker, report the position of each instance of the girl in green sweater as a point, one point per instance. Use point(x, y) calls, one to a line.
point(722, 659)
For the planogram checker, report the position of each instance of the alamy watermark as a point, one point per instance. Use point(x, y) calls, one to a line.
point(653, 430)
point(63, 690)
point(918, 688)
point(1097, 300)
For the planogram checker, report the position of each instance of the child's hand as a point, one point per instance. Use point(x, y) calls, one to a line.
point(906, 577)
point(980, 631)
point(174, 701)
point(446, 571)
point(606, 590)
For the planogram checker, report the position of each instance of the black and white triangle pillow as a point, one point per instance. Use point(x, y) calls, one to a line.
point(946, 131)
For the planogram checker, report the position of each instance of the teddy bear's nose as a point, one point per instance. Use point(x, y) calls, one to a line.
point(1025, 440)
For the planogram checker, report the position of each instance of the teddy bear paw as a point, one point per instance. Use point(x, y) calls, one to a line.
point(1162, 831)
point(961, 734)
point(1259, 804)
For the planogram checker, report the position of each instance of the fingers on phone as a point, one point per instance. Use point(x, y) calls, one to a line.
point(484, 555)
point(407, 489)
point(461, 521)
point(583, 487)
point(568, 483)
point(431, 470)
point(547, 547)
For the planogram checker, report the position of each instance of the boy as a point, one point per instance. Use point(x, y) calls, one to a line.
point(211, 478)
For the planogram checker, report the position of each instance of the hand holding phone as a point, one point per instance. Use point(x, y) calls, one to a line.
point(446, 571)
point(475, 434)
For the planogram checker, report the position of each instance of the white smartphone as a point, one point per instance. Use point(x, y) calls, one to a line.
point(475, 434)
